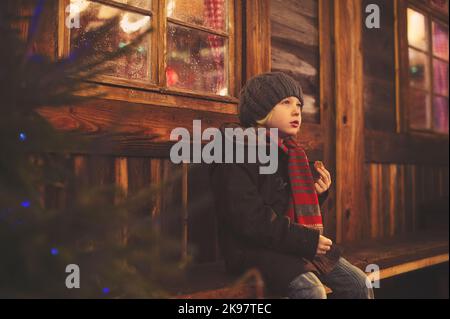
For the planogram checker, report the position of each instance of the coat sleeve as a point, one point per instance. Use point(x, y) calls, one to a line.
point(236, 185)
point(323, 197)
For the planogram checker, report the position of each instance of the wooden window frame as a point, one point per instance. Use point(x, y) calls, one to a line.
point(402, 65)
point(151, 92)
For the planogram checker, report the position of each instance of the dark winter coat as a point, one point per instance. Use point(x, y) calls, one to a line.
point(253, 231)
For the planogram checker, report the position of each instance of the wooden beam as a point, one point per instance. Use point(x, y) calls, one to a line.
point(349, 120)
point(410, 266)
point(405, 148)
point(136, 129)
point(327, 111)
point(257, 37)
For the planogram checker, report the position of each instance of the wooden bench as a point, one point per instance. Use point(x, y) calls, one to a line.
point(394, 256)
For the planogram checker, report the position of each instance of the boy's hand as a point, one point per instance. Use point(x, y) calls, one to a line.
point(324, 245)
point(324, 182)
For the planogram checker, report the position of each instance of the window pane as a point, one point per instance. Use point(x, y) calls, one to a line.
point(419, 69)
point(440, 41)
point(133, 66)
point(144, 4)
point(419, 109)
point(417, 32)
point(208, 13)
point(196, 60)
point(440, 105)
point(440, 77)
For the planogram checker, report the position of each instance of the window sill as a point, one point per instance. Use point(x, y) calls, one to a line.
point(139, 91)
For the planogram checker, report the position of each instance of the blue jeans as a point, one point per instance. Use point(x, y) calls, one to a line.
point(345, 280)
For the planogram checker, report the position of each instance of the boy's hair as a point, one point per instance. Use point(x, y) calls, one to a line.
point(264, 121)
point(262, 92)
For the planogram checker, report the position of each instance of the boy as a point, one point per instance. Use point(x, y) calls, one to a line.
point(273, 222)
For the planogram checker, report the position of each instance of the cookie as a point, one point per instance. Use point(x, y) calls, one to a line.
point(318, 164)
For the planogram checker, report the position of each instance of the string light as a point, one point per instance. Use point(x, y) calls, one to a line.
point(25, 204)
point(22, 136)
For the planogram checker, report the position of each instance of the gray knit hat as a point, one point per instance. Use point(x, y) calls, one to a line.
point(262, 92)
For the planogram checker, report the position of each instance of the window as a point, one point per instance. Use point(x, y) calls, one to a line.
point(190, 48)
point(427, 39)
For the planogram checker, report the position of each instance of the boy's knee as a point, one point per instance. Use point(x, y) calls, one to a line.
point(307, 286)
point(362, 288)
point(366, 288)
point(312, 292)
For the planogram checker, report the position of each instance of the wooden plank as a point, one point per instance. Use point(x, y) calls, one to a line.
point(129, 129)
point(401, 200)
point(410, 266)
point(394, 256)
point(374, 202)
point(121, 181)
point(184, 212)
point(101, 170)
point(392, 198)
point(385, 199)
point(171, 203)
point(446, 180)
point(408, 197)
point(295, 48)
point(327, 111)
point(156, 181)
point(414, 198)
point(389, 252)
point(135, 125)
point(379, 101)
point(121, 177)
point(257, 37)
point(382, 147)
point(378, 47)
point(80, 170)
point(239, 46)
point(138, 169)
point(57, 188)
point(45, 42)
point(202, 218)
point(349, 120)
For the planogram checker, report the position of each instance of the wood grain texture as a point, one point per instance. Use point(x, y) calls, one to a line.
point(295, 48)
point(257, 37)
point(349, 120)
point(378, 48)
point(383, 147)
point(402, 197)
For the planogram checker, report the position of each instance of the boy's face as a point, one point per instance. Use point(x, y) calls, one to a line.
point(287, 117)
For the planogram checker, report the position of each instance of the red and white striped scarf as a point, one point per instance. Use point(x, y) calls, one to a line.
point(304, 205)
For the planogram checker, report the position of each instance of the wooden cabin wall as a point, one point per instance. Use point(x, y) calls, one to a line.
point(404, 198)
point(397, 190)
point(378, 47)
point(295, 48)
point(406, 180)
point(182, 208)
